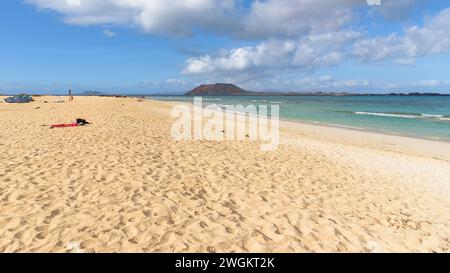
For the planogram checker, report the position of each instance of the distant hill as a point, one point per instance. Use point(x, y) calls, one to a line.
point(218, 89)
point(223, 89)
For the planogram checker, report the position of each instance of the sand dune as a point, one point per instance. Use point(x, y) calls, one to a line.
point(123, 185)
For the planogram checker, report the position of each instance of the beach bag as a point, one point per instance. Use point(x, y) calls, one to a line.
point(82, 122)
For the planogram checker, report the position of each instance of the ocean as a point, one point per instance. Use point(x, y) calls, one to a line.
point(416, 116)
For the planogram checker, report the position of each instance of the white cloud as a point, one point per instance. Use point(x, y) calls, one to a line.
point(109, 33)
point(291, 18)
point(175, 81)
point(171, 18)
point(297, 83)
point(406, 61)
point(268, 19)
point(432, 38)
point(330, 82)
point(431, 83)
point(308, 53)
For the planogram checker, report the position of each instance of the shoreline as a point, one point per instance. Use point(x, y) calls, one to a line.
point(354, 128)
point(377, 140)
point(362, 137)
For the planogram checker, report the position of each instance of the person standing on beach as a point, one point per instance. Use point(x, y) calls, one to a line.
point(70, 95)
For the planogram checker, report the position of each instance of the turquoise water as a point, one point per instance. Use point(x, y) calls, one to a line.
point(407, 115)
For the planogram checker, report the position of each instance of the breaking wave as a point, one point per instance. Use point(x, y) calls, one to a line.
point(406, 115)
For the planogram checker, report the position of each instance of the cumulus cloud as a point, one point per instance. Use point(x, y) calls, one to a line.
point(432, 38)
point(171, 18)
point(308, 53)
point(289, 18)
point(260, 20)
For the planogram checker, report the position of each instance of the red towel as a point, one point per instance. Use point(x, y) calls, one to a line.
point(64, 125)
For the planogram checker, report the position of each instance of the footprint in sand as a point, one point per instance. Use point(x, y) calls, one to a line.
point(41, 235)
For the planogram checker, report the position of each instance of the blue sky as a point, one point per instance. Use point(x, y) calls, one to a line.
point(156, 46)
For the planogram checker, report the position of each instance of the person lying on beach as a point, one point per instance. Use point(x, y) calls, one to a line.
point(77, 123)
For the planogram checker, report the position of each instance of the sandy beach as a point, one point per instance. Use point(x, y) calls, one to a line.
point(122, 184)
